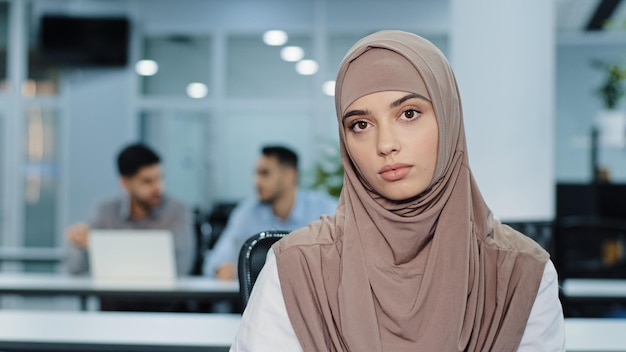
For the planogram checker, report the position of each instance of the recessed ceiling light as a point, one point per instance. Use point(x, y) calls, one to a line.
point(292, 53)
point(146, 67)
point(197, 90)
point(329, 88)
point(275, 38)
point(307, 67)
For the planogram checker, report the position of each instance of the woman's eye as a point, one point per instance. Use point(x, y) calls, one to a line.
point(410, 114)
point(358, 126)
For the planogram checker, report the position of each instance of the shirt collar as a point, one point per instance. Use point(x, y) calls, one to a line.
point(154, 213)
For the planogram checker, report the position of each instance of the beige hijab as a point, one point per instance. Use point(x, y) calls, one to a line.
point(434, 273)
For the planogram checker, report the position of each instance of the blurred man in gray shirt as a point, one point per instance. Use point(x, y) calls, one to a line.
point(143, 207)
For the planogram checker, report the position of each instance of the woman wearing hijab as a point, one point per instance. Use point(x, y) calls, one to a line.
point(413, 260)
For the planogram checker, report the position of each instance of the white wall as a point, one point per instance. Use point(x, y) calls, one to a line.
point(505, 72)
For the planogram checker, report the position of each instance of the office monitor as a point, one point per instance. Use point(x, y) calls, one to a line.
point(84, 41)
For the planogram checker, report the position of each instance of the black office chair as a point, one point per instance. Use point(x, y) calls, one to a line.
point(251, 260)
point(539, 231)
point(208, 226)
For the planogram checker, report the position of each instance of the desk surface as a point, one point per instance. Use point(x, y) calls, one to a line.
point(56, 284)
point(595, 335)
point(120, 331)
point(590, 288)
point(116, 331)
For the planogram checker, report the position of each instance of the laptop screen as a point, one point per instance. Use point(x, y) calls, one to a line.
point(132, 255)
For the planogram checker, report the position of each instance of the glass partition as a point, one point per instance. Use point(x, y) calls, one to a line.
point(41, 177)
point(176, 66)
point(180, 138)
point(239, 143)
point(257, 70)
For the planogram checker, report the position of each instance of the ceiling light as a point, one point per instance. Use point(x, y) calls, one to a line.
point(197, 90)
point(329, 88)
point(146, 67)
point(275, 38)
point(307, 67)
point(292, 53)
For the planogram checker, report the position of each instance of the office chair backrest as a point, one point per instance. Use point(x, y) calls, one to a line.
point(539, 230)
point(251, 260)
point(208, 226)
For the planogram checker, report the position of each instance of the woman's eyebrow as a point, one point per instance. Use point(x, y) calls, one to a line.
point(355, 112)
point(405, 98)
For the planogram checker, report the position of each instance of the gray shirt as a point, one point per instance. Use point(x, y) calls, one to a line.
point(115, 214)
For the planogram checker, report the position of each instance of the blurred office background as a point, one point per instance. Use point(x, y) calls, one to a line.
point(218, 92)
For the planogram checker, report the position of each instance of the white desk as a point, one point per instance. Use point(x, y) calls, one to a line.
point(589, 335)
point(119, 331)
point(185, 332)
point(594, 288)
point(116, 331)
point(200, 288)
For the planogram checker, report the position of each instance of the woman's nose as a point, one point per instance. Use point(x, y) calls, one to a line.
point(388, 142)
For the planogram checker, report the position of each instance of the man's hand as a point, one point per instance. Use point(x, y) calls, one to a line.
point(225, 272)
point(78, 234)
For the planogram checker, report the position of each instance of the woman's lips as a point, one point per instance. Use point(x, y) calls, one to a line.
point(394, 172)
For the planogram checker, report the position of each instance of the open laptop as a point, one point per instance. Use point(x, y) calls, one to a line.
point(132, 256)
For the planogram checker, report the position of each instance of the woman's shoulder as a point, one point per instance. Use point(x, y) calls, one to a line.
point(317, 233)
point(505, 238)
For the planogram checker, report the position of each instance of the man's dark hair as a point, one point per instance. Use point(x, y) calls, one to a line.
point(285, 156)
point(134, 157)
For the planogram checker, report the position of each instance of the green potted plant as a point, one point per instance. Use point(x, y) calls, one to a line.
point(612, 89)
point(611, 121)
point(328, 170)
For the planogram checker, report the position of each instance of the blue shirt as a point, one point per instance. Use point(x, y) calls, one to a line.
point(251, 217)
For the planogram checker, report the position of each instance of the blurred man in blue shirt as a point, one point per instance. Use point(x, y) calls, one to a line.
point(280, 205)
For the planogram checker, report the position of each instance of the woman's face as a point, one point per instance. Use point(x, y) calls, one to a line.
point(392, 137)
